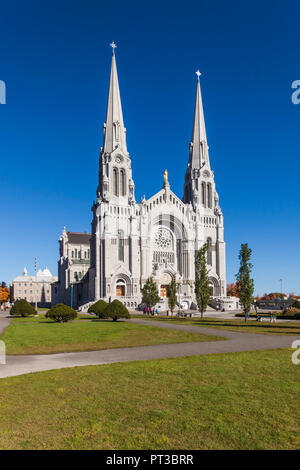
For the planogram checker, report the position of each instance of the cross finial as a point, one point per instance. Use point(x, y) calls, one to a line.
point(198, 73)
point(113, 46)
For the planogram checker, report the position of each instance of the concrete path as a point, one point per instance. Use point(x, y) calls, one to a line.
point(18, 365)
point(5, 320)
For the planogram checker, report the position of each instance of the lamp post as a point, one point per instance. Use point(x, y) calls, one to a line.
point(71, 296)
point(280, 280)
point(35, 268)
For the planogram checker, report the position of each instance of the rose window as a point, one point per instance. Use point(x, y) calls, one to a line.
point(163, 239)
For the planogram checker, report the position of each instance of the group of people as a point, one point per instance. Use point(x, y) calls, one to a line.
point(4, 307)
point(150, 311)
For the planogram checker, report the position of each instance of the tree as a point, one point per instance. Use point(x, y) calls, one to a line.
point(245, 285)
point(231, 290)
point(150, 293)
point(202, 287)
point(296, 304)
point(172, 291)
point(116, 310)
point(4, 293)
point(61, 313)
point(23, 308)
point(98, 308)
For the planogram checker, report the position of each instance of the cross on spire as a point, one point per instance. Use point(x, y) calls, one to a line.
point(198, 73)
point(113, 46)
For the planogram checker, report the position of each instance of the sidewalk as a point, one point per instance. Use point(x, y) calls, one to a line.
point(236, 342)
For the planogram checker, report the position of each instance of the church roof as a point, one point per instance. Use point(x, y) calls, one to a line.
point(79, 238)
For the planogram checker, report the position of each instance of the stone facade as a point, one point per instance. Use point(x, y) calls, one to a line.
point(73, 265)
point(35, 289)
point(157, 237)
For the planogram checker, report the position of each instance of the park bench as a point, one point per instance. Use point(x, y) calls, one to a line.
point(271, 316)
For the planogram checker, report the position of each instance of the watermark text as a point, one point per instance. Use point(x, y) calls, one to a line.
point(296, 354)
point(296, 94)
point(2, 92)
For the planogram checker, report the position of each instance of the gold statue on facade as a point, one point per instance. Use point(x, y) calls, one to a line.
point(166, 176)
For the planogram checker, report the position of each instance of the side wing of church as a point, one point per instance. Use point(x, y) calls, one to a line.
point(158, 237)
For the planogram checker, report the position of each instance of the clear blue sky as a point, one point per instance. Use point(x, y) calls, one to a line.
point(55, 60)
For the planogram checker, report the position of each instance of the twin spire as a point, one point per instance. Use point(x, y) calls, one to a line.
point(115, 132)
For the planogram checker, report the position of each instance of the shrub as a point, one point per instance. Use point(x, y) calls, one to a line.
point(296, 304)
point(61, 313)
point(23, 308)
point(98, 308)
point(292, 312)
point(116, 310)
point(242, 315)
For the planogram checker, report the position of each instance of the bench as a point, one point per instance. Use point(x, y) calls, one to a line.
point(272, 317)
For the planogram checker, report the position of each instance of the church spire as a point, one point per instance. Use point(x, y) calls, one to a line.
point(115, 173)
point(198, 166)
point(114, 132)
point(198, 146)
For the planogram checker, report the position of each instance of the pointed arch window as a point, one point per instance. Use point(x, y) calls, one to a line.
point(120, 245)
point(209, 251)
point(115, 182)
point(209, 195)
point(122, 182)
point(203, 194)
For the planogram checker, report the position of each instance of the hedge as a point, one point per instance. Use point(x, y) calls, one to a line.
point(98, 308)
point(23, 308)
point(61, 313)
point(116, 310)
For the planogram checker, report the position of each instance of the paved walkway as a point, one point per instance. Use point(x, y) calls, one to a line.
point(18, 365)
point(5, 320)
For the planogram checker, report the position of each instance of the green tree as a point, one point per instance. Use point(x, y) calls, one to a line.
point(202, 288)
point(98, 308)
point(172, 291)
point(245, 285)
point(296, 304)
point(23, 308)
point(150, 293)
point(116, 310)
point(61, 313)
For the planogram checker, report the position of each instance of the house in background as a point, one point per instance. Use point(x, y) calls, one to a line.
point(35, 289)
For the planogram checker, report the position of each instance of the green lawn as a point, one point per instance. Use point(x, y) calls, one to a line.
point(247, 400)
point(251, 326)
point(33, 335)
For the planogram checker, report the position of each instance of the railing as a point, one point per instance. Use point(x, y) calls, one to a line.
point(81, 261)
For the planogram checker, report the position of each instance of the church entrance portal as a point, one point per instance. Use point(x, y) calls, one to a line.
point(164, 291)
point(120, 291)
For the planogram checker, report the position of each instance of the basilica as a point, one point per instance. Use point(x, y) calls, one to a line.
point(131, 241)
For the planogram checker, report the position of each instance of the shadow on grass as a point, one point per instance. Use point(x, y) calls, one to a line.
point(272, 326)
point(275, 328)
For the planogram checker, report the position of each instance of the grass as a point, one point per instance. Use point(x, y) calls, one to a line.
point(252, 326)
point(38, 335)
point(247, 400)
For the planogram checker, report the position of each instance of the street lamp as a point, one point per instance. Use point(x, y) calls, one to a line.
point(280, 280)
point(35, 266)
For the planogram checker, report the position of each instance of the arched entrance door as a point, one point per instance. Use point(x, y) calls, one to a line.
point(120, 288)
point(164, 291)
point(164, 282)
